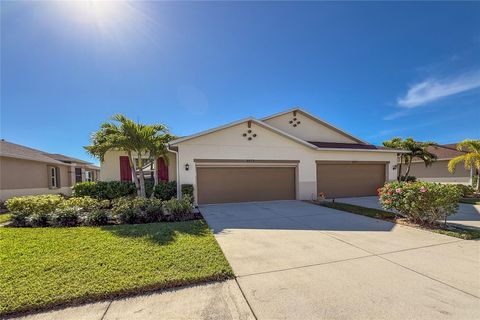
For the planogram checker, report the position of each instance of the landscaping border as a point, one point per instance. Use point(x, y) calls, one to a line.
point(453, 231)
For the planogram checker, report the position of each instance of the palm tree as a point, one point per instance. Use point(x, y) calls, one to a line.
point(133, 138)
point(416, 150)
point(471, 158)
point(157, 149)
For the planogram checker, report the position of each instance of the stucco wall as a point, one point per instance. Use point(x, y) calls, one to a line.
point(308, 129)
point(24, 177)
point(438, 172)
point(110, 167)
point(230, 144)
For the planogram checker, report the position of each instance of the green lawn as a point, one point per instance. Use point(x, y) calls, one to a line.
point(470, 200)
point(5, 217)
point(44, 267)
point(466, 234)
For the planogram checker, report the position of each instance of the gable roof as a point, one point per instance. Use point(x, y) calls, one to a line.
point(446, 151)
point(313, 145)
point(13, 150)
point(318, 120)
point(232, 124)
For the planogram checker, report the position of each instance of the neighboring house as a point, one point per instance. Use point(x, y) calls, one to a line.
point(290, 155)
point(438, 171)
point(27, 171)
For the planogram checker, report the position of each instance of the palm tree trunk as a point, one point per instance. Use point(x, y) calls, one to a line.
point(155, 177)
point(399, 173)
point(409, 164)
point(478, 180)
point(134, 172)
point(141, 176)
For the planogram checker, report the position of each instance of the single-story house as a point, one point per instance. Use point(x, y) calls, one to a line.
point(289, 155)
point(27, 171)
point(438, 171)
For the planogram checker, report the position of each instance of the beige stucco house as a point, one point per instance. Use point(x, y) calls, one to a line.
point(27, 171)
point(438, 171)
point(289, 155)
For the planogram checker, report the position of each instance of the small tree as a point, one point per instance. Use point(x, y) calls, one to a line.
point(471, 159)
point(416, 150)
point(133, 138)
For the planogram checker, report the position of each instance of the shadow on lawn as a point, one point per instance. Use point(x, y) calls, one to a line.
point(162, 233)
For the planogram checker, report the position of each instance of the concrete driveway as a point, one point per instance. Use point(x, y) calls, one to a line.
point(295, 260)
point(468, 215)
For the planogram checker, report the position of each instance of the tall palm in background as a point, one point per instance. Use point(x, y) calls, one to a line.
point(136, 139)
point(471, 159)
point(416, 149)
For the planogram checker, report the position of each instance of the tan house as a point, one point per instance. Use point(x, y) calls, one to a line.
point(289, 155)
point(438, 171)
point(27, 171)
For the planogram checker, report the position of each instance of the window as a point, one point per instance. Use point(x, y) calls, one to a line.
point(147, 167)
point(89, 176)
point(78, 175)
point(53, 177)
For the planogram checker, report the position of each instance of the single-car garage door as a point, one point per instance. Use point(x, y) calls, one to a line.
point(352, 179)
point(241, 184)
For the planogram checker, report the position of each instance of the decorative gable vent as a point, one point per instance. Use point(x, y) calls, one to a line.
point(294, 121)
point(249, 134)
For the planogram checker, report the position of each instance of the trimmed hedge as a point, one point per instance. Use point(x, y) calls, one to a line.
point(105, 190)
point(165, 190)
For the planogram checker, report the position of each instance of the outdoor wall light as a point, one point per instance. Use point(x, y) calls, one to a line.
point(187, 166)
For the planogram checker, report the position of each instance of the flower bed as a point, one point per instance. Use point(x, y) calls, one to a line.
point(420, 202)
point(54, 210)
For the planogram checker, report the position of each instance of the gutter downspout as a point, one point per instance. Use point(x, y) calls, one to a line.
point(177, 160)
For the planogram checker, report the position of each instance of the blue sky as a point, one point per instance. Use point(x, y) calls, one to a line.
point(377, 70)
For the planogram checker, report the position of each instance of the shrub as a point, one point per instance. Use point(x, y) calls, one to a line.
point(40, 219)
point(19, 219)
point(154, 210)
point(166, 190)
point(104, 189)
point(97, 217)
point(29, 205)
point(178, 210)
point(86, 203)
point(130, 210)
point(466, 190)
point(65, 217)
point(187, 189)
point(420, 202)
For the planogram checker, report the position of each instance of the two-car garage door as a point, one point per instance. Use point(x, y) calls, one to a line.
point(247, 183)
point(224, 184)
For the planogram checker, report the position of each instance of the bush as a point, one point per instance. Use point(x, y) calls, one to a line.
point(130, 210)
point(97, 217)
point(166, 190)
point(30, 205)
point(466, 190)
point(65, 217)
point(104, 189)
point(178, 210)
point(19, 219)
point(420, 202)
point(187, 189)
point(154, 210)
point(409, 179)
point(85, 203)
point(40, 219)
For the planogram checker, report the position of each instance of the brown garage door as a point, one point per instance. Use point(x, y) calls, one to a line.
point(241, 184)
point(349, 179)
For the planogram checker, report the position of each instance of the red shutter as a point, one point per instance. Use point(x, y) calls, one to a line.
point(125, 169)
point(162, 170)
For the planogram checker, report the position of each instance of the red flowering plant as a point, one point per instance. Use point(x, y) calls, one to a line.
point(420, 202)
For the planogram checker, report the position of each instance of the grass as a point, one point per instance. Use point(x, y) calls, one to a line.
point(46, 267)
point(470, 200)
point(5, 217)
point(466, 234)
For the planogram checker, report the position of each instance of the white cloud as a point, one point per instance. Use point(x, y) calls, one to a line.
point(434, 89)
point(395, 115)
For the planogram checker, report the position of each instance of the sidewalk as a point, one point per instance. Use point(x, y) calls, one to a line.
point(220, 300)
